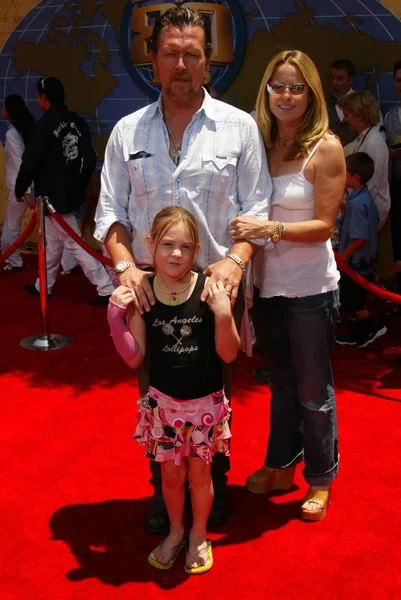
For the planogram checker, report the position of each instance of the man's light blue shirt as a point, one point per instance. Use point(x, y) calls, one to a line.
point(222, 174)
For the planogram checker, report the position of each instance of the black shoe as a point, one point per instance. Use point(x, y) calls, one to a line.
point(157, 520)
point(364, 332)
point(370, 334)
point(31, 289)
point(219, 513)
point(99, 301)
point(348, 339)
point(261, 375)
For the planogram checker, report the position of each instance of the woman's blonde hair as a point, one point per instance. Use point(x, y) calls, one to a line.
point(362, 104)
point(169, 216)
point(315, 121)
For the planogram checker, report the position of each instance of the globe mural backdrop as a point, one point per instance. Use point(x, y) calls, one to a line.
point(99, 51)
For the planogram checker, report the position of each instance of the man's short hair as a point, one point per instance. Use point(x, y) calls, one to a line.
point(180, 17)
point(396, 67)
point(360, 164)
point(53, 89)
point(345, 64)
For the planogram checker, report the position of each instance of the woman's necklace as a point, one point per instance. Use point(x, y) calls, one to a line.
point(175, 154)
point(172, 297)
point(283, 142)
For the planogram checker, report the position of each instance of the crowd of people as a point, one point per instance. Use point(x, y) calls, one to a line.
point(207, 211)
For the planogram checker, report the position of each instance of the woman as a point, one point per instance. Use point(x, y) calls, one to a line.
point(362, 113)
point(20, 121)
point(392, 124)
point(295, 303)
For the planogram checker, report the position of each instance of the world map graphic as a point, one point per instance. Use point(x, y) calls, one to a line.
point(79, 41)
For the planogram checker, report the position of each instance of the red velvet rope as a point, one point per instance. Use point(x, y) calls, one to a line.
point(370, 287)
point(24, 235)
point(344, 266)
point(341, 262)
point(103, 259)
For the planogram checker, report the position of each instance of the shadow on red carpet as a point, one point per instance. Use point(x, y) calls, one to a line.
point(75, 491)
point(108, 538)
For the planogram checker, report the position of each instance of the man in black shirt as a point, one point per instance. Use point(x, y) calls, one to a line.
point(60, 159)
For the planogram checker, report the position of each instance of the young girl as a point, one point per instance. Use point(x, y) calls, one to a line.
point(183, 419)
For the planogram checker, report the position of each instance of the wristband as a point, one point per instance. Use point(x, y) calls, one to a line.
point(238, 261)
point(126, 345)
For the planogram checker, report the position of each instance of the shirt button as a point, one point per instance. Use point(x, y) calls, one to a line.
point(178, 179)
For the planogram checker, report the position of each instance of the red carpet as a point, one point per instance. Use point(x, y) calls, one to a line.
point(75, 488)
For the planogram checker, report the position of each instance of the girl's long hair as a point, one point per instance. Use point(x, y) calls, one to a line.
point(19, 114)
point(315, 120)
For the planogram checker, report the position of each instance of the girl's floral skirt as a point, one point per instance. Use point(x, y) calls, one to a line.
point(171, 429)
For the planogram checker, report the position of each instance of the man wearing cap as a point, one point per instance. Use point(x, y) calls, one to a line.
point(60, 159)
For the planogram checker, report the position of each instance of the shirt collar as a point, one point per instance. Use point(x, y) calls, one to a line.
point(208, 107)
point(346, 94)
point(356, 192)
point(363, 133)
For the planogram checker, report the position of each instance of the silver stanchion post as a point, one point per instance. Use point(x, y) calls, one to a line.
point(44, 341)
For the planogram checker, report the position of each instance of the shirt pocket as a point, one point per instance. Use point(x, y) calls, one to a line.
point(219, 173)
point(144, 175)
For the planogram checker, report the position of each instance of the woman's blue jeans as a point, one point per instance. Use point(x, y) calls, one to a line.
point(297, 336)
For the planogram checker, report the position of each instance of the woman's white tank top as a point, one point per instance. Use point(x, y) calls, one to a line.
point(295, 269)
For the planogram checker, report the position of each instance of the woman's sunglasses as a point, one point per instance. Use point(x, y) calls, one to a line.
point(295, 89)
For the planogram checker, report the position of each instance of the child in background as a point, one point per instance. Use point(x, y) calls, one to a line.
point(358, 245)
point(183, 419)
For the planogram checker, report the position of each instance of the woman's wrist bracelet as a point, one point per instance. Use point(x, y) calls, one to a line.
point(279, 231)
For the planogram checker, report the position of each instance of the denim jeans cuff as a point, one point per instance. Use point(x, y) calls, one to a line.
point(322, 478)
point(298, 458)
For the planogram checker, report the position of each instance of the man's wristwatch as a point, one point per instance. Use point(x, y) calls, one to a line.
point(122, 266)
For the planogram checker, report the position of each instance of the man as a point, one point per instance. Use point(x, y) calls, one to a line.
point(342, 77)
point(60, 159)
point(190, 150)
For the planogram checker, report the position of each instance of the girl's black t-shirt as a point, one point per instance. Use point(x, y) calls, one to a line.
point(181, 344)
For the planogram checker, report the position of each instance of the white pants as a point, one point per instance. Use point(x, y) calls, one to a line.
point(56, 240)
point(12, 229)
